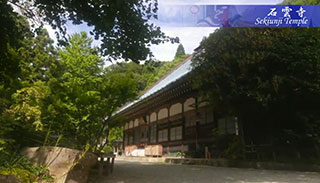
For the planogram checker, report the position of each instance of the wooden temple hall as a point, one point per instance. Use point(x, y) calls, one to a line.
point(170, 117)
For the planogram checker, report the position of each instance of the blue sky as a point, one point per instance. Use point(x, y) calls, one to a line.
point(190, 37)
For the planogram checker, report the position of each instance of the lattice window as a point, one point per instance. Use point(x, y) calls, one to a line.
point(176, 133)
point(228, 125)
point(163, 135)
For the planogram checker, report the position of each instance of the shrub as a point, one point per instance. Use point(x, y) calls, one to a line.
point(22, 168)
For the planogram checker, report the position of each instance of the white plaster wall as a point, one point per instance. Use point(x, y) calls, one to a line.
point(136, 122)
point(163, 113)
point(153, 117)
point(189, 104)
point(175, 109)
point(131, 124)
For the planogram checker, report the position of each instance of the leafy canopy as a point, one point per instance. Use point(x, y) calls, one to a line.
point(148, 73)
point(271, 75)
point(87, 95)
point(122, 26)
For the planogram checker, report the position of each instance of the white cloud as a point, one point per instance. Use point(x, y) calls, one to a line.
point(190, 37)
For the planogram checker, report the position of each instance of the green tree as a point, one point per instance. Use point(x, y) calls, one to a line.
point(165, 68)
point(180, 51)
point(38, 58)
point(14, 29)
point(148, 73)
point(23, 101)
point(85, 95)
point(19, 51)
point(141, 73)
point(270, 76)
point(66, 97)
point(123, 26)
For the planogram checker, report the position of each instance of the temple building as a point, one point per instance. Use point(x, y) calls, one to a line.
point(171, 117)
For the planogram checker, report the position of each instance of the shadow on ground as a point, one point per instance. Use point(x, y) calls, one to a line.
point(139, 172)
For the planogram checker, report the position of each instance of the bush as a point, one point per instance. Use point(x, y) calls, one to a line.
point(107, 149)
point(23, 175)
point(22, 168)
point(227, 146)
point(235, 149)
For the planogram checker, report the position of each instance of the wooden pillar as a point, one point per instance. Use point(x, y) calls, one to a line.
point(241, 133)
point(112, 164)
point(133, 134)
point(101, 155)
point(157, 128)
point(197, 124)
point(206, 152)
point(107, 166)
point(149, 129)
point(169, 126)
point(124, 140)
point(183, 121)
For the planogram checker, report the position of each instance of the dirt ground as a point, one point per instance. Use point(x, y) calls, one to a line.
point(141, 172)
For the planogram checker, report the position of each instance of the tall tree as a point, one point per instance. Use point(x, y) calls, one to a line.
point(123, 26)
point(180, 51)
point(85, 95)
point(38, 58)
point(23, 100)
point(270, 75)
point(65, 94)
point(141, 73)
point(14, 29)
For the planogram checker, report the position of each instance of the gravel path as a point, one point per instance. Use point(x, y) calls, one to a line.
point(140, 172)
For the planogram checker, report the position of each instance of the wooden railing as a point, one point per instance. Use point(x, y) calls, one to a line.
point(106, 163)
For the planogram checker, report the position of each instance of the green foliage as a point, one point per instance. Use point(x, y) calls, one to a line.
point(84, 96)
point(107, 149)
point(235, 149)
point(65, 96)
point(20, 99)
point(14, 29)
point(115, 134)
point(122, 25)
point(166, 68)
point(141, 73)
point(180, 51)
point(226, 146)
point(180, 154)
point(22, 174)
point(23, 169)
point(269, 77)
point(114, 137)
point(51, 96)
point(148, 73)
point(28, 105)
point(38, 58)
point(260, 64)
